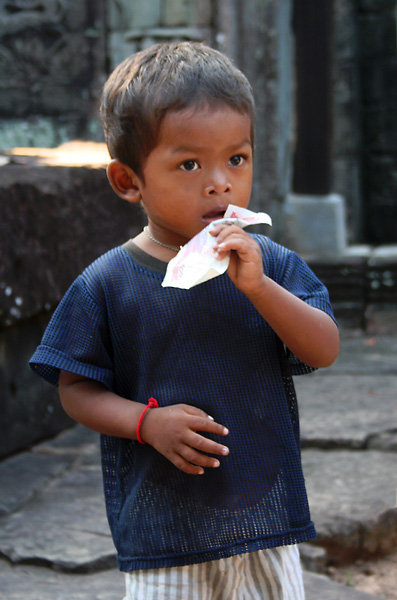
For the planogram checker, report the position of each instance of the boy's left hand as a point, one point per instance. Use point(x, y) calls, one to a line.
point(246, 266)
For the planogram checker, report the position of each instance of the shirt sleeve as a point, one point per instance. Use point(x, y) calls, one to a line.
point(290, 271)
point(76, 340)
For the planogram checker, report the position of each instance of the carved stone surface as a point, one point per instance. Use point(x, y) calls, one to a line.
point(52, 56)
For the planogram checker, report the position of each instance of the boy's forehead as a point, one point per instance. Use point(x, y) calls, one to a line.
point(199, 119)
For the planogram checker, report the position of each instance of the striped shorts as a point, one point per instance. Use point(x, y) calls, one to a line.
point(272, 574)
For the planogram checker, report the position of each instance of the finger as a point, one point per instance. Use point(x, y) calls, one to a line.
point(236, 234)
point(203, 444)
point(216, 229)
point(204, 422)
point(243, 245)
point(197, 458)
point(192, 462)
point(227, 229)
point(183, 465)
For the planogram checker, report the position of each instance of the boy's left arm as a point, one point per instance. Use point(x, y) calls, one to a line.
point(308, 332)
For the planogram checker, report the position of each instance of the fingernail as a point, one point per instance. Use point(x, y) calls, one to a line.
point(225, 450)
point(212, 418)
point(216, 464)
point(225, 431)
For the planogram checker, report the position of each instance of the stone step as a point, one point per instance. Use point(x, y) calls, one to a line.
point(348, 411)
point(352, 497)
point(39, 583)
point(319, 587)
point(58, 517)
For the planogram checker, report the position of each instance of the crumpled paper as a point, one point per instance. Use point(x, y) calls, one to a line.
point(197, 260)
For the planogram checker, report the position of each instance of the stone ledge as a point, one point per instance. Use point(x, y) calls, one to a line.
point(352, 502)
point(363, 286)
point(57, 214)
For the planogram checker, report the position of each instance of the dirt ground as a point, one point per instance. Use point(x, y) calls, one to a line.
point(377, 577)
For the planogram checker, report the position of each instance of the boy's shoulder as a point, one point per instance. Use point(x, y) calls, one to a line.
point(274, 251)
point(112, 258)
point(107, 267)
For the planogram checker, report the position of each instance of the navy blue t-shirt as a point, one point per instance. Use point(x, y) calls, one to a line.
point(207, 347)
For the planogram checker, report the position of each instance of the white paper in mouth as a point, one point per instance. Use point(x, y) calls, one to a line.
point(197, 261)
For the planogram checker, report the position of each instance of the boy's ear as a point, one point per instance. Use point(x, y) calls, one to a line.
point(124, 181)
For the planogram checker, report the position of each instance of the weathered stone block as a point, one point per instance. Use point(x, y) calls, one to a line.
point(120, 48)
point(379, 82)
point(186, 12)
point(346, 133)
point(347, 183)
point(346, 85)
point(345, 32)
point(382, 276)
point(376, 5)
point(315, 225)
point(377, 35)
point(346, 282)
point(381, 179)
point(54, 220)
point(380, 185)
point(120, 15)
point(380, 128)
point(145, 14)
point(30, 408)
point(124, 15)
point(52, 56)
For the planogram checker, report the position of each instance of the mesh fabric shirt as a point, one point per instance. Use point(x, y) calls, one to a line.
point(207, 347)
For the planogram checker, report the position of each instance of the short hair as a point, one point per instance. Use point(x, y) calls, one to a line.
point(162, 78)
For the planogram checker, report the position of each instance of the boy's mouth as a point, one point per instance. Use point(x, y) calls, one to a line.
point(213, 215)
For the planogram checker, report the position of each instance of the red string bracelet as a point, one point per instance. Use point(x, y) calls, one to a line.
point(152, 403)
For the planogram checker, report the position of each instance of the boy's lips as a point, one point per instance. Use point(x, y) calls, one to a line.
point(213, 215)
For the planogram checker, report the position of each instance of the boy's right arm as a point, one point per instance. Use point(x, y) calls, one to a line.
point(171, 430)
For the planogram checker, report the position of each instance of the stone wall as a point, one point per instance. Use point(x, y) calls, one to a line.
point(365, 122)
point(63, 51)
point(56, 218)
point(134, 25)
point(347, 169)
point(54, 221)
point(52, 63)
point(377, 26)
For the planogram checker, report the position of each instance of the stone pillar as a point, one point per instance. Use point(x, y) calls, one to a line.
point(315, 221)
point(377, 43)
point(258, 37)
point(346, 135)
point(134, 25)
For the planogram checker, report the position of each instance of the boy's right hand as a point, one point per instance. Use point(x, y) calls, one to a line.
point(172, 431)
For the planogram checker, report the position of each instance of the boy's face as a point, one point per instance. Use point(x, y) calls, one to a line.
point(201, 164)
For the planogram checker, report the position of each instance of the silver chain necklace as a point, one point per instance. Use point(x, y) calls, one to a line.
point(173, 248)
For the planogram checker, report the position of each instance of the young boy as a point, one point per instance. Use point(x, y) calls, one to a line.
point(166, 375)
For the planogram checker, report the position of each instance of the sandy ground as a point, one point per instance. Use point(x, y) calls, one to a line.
point(378, 577)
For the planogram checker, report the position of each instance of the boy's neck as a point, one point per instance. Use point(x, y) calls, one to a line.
point(152, 248)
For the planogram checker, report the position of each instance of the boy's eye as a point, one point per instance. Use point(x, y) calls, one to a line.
point(236, 160)
point(189, 165)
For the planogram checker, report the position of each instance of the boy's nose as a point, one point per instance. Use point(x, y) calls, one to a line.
point(218, 184)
